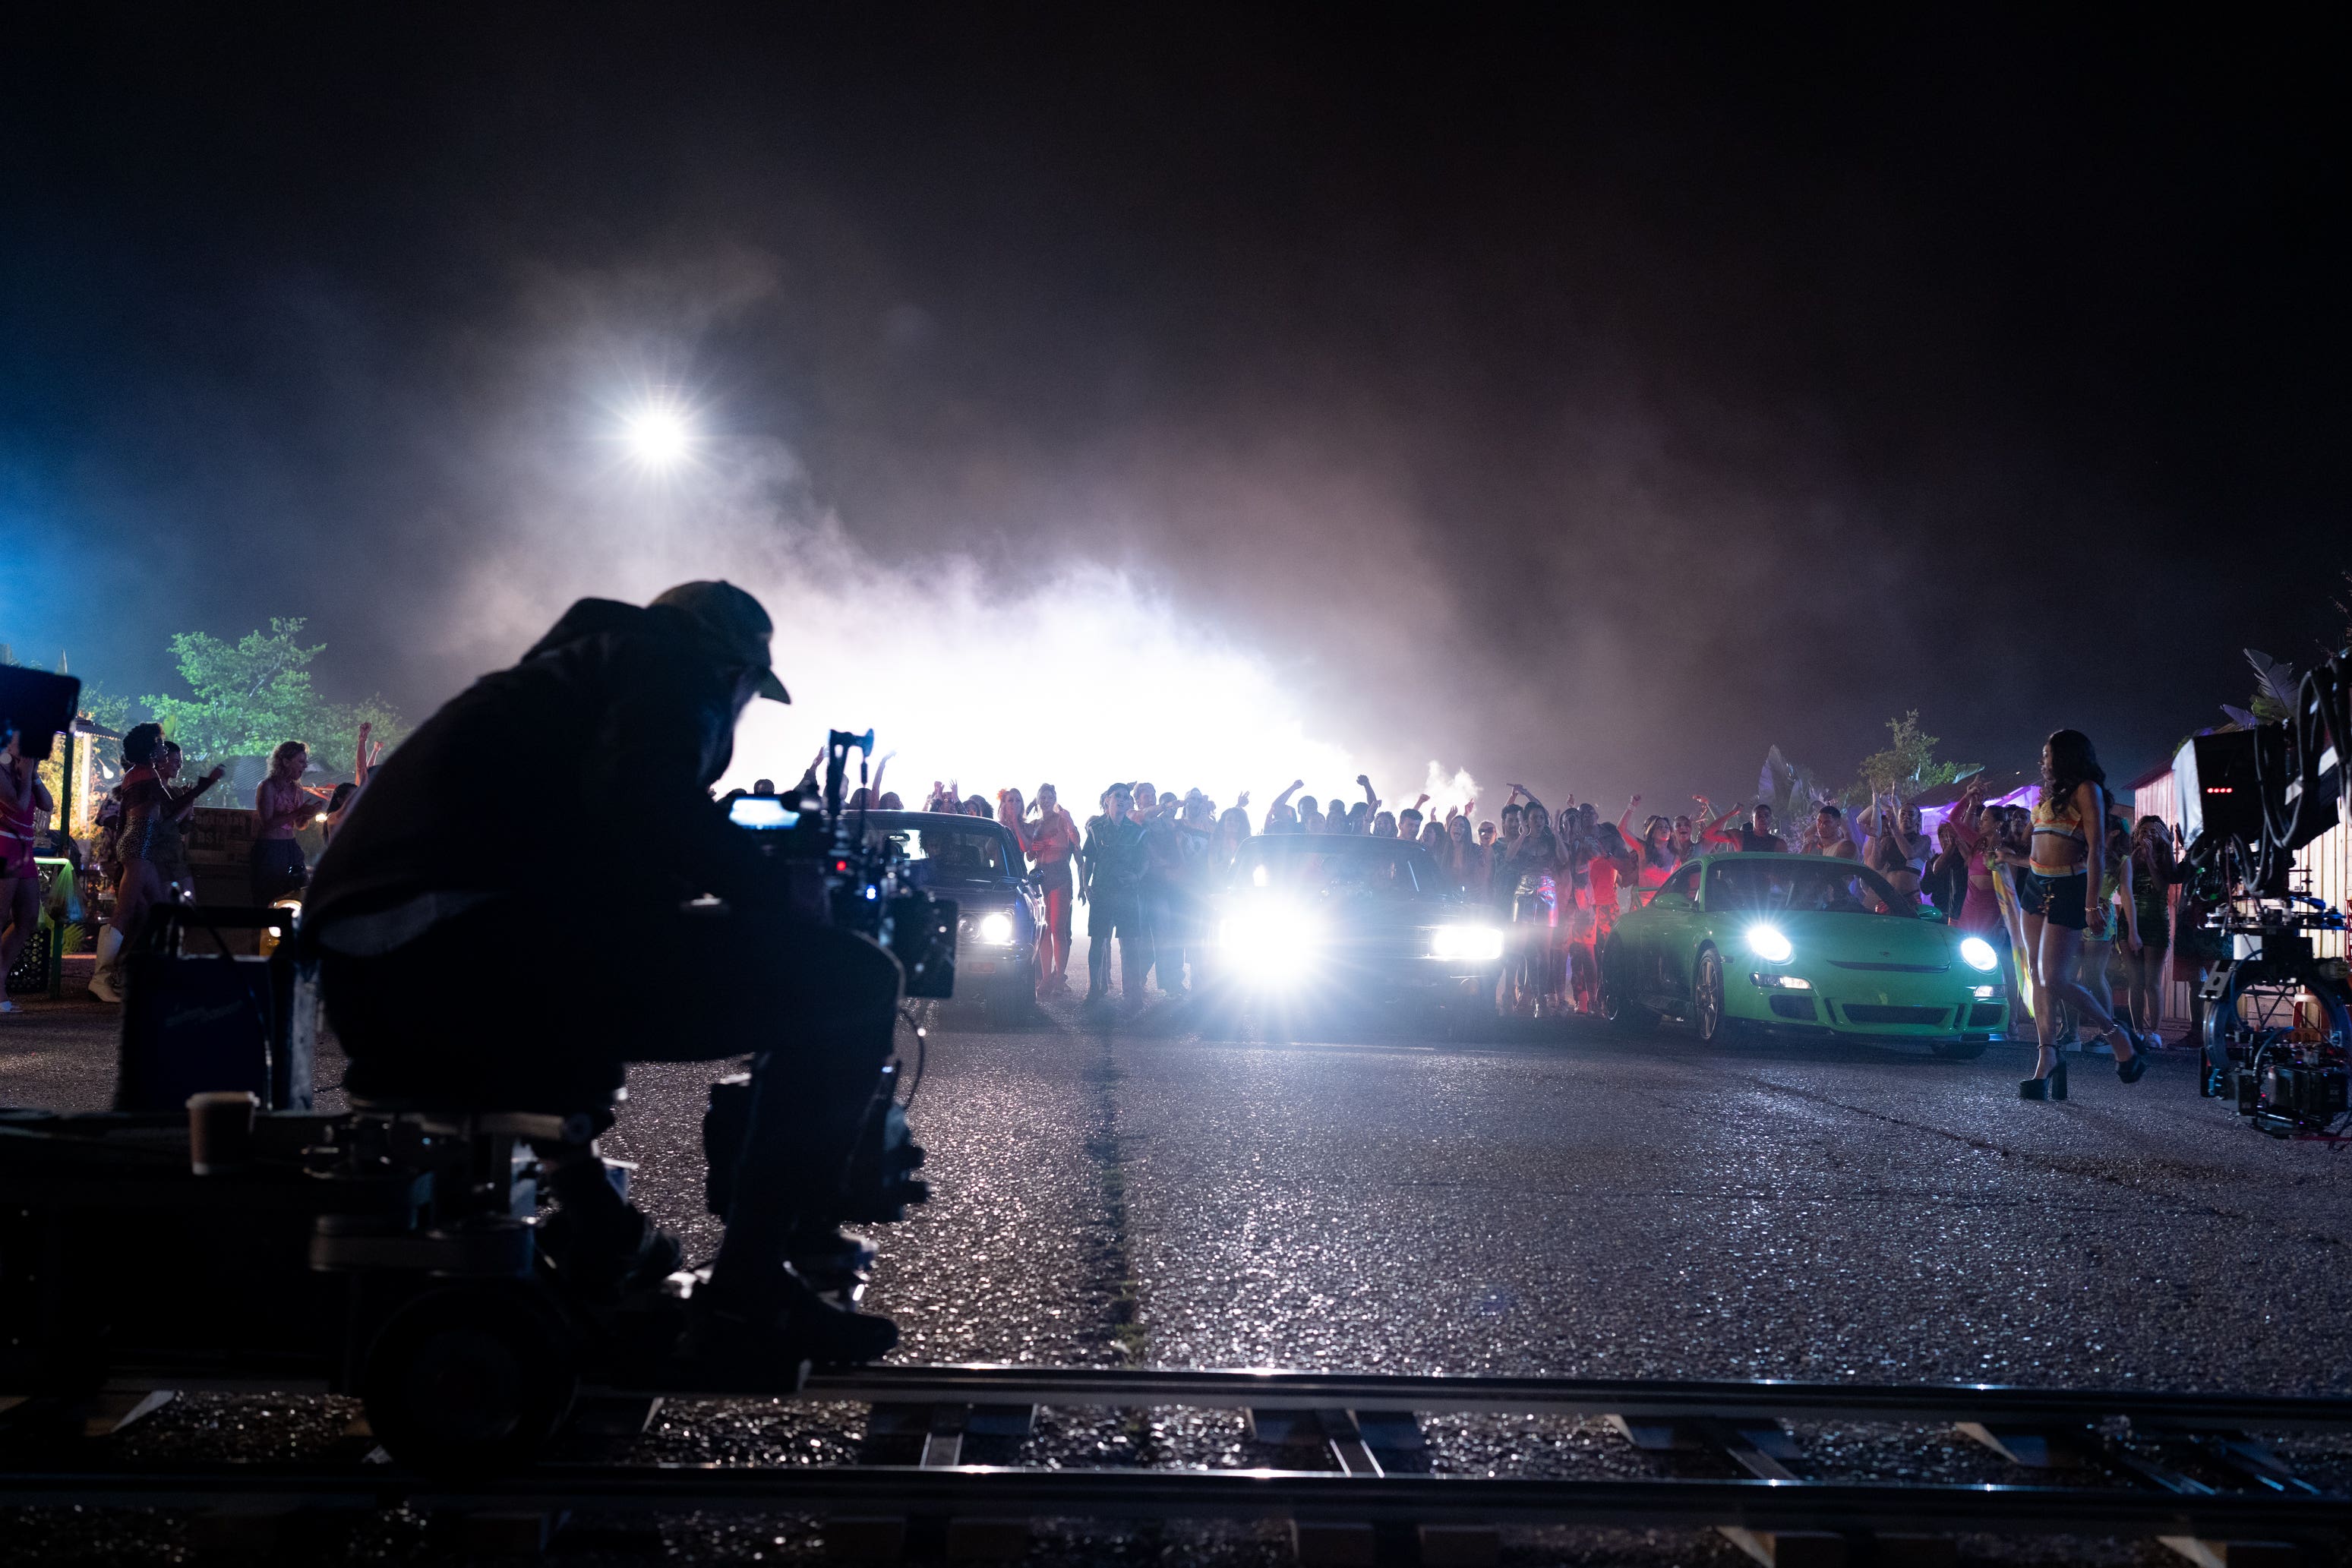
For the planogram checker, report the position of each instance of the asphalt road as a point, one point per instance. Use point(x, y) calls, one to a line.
point(1556, 1200)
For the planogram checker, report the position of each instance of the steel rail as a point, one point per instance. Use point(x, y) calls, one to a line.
point(980, 1491)
point(1648, 1398)
point(1286, 1389)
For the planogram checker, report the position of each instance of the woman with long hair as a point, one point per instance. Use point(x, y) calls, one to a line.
point(1613, 864)
point(1532, 875)
point(2060, 899)
point(1464, 860)
point(1896, 852)
point(1653, 849)
point(282, 808)
point(155, 861)
point(2154, 874)
point(1053, 847)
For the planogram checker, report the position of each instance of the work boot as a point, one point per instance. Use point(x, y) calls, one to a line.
point(776, 1320)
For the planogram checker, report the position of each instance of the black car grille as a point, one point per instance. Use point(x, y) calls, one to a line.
point(1795, 1007)
point(1986, 1014)
point(1866, 1012)
point(1894, 969)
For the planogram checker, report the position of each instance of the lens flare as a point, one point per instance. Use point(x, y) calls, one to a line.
point(660, 436)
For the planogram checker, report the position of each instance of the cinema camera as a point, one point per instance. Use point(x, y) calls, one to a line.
point(392, 1252)
point(2278, 1013)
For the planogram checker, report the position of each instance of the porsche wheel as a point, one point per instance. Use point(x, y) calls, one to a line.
point(1617, 1004)
point(1708, 1012)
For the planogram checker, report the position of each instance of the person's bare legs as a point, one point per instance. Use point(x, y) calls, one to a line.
point(2061, 949)
point(2147, 973)
point(141, 885)
point(2045, 1057)
point(20, 907)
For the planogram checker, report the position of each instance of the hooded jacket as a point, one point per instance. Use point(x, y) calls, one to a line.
point(583, 773)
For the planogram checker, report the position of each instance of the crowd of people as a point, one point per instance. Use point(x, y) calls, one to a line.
point(2077, 955)
point(1555, 878)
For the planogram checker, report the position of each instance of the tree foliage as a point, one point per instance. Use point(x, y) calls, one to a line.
point(254, 692)
point(1908, 766)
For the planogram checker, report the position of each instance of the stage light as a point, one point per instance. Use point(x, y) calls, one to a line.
point(660, 436)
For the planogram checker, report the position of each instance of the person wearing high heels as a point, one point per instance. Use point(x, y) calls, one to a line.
point(2060, 899)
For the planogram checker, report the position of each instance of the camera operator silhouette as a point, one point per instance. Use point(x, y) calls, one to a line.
point(482, 956)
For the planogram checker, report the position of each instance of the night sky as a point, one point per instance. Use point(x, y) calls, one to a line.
point(1560, 398)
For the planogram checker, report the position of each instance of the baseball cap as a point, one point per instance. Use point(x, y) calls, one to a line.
point(734, 620)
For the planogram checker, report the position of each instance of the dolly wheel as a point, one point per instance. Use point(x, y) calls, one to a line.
point(469, 1380)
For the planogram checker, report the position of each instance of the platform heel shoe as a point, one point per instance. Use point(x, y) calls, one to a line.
point(2034, 1088)
point(2058, 1080)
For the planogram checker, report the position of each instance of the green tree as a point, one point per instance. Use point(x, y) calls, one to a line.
point(104, 708)
point(1908, 766)
point(255, 692)
point(249, 694)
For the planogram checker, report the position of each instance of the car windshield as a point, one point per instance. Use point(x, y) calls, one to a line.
point(1773, 886)
point(949, 852)
point(1319, 864)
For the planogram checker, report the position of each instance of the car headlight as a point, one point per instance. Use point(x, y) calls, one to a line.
point(1270, 942)
point(1475, 943)
point(994, 929)
point(1976, 953)
point(1768, 944)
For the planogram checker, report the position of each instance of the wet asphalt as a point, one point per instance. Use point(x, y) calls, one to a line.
point(1548, 1197)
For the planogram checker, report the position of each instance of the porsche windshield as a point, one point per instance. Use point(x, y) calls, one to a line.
point(1337, 866)
point(1772, 886)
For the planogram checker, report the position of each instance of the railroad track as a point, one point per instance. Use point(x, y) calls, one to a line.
point(1354, 1484)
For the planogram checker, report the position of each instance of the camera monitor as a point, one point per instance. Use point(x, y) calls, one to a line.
point(763, 813)
point(2220, 791)
point(37, 705)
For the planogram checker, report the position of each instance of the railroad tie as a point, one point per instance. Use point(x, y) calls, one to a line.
point(940, 1430)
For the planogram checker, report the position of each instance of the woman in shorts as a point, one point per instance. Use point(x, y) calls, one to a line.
point(2060, 899)
point(2154, 874)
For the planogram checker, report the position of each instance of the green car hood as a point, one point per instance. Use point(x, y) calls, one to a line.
point(1818, 937)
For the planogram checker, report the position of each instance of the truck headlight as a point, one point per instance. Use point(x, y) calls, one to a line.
point(1978, 953)
point(1473, 944)
point(1768, 944)
point(994, 929)
point(1271, 944)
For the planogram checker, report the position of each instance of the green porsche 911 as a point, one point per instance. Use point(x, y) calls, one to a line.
point(1798, 942)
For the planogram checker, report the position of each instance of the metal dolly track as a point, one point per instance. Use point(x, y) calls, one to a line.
point(1365, 1426)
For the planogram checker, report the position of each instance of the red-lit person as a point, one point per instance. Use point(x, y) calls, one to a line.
point(25, 806)
point(1052, 846)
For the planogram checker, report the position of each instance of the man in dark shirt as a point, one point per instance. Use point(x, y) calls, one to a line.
point(477, 954)
point(1753, 837)
point(1111, 876)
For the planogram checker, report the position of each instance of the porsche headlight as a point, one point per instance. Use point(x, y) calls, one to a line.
point(1978, 953)
point(1768, 944)
point(994, 929)
point(1475, 943)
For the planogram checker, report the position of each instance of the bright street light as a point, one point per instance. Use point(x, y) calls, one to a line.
point(660, 436)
